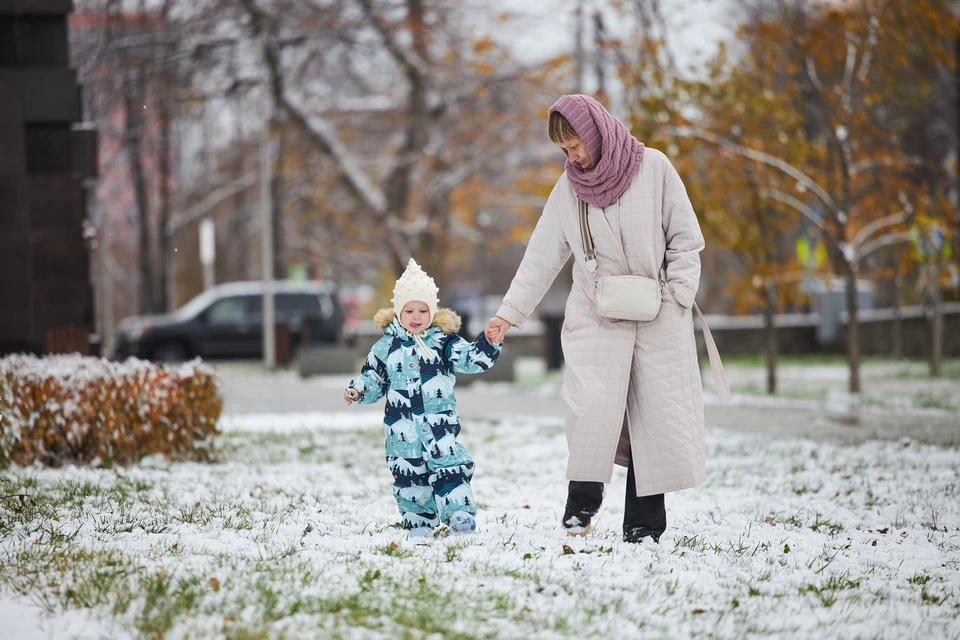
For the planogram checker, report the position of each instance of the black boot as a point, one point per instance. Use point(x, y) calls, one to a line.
point(643, 516)
point(583, 502)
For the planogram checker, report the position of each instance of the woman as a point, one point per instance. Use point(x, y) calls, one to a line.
point(633, 389)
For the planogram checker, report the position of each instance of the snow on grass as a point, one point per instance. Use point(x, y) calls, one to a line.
point(22, 619)
point(295, 535)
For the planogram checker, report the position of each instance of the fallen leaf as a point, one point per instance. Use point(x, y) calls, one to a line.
point(884, 530)
point(394, 546)
point(567, 550)
point(214, 584)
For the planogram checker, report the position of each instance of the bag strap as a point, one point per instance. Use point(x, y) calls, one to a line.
point(589, 253)
point(716, 366)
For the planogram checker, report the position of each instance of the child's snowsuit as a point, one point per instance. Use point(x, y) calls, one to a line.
point(431, 468)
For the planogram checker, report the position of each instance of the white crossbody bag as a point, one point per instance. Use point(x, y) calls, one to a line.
point(619, 297)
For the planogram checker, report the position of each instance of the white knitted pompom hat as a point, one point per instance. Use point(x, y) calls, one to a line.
point(415, 284)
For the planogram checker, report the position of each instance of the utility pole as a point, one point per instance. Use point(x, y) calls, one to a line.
point(266, 206)
point(208, 251)
point(599, 45)
point(578, 46)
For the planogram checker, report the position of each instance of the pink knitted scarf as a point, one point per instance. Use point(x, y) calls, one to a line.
point(615, 153)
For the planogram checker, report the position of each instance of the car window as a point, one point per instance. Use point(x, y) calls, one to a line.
point(287, 306)
point(229, 311)
point(190, 310)
point(297, 302)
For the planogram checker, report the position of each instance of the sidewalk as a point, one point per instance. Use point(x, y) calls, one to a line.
point(249, 391)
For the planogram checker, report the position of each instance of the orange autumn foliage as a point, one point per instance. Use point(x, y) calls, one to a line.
point(80, 410)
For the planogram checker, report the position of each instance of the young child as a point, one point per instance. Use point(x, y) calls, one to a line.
point(413, 364)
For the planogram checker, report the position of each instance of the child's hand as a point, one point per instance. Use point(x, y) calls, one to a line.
point(497, 329)
point(351, 395)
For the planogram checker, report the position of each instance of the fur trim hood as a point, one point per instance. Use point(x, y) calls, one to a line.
point(447, 320)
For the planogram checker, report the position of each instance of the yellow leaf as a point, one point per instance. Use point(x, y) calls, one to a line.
point(484, 69)
point(483, 45)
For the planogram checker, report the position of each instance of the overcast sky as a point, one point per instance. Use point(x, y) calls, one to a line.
point(540, 29)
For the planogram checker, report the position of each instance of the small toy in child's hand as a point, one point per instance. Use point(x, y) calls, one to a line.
point(351, 395)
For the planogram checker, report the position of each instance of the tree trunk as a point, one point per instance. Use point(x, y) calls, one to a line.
point(162, 302)
point(133, 143)
point(770, 331)
point(853, 333)
point(398, 184)
point(897, 318)
point(433, 246)
point(936, 347)
point(238, 229)
point(276, 189)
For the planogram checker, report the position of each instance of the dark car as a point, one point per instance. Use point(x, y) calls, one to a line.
point(226, 322)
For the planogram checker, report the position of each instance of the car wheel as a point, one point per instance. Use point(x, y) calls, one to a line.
point(170, 352)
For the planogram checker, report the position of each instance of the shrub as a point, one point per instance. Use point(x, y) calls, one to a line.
point(74, 409)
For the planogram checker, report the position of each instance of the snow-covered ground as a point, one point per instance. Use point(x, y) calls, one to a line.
point(294, 535)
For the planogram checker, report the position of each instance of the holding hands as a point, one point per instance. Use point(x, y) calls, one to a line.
point(497, 329)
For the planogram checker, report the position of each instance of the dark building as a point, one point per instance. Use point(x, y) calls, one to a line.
point(45, 158)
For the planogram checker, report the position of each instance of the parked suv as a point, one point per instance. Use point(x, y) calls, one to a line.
point(226, 322)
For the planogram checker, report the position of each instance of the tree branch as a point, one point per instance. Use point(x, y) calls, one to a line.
point(808, 212)
point(758, 156)
point(849, 66)
point(812, 74)
point(882, 223)
point(797, 204)
point(323, 134)
point(874, 163)
point(879, 243)
point(203, 207)
point(404, 56)
point(448, 182)
point(867, 57)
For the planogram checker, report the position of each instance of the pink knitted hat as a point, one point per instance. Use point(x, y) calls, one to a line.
point(614, 152)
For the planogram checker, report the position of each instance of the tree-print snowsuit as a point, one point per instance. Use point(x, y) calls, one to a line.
point(430, 466)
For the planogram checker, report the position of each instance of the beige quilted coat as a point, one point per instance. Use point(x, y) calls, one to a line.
point(623, 377)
